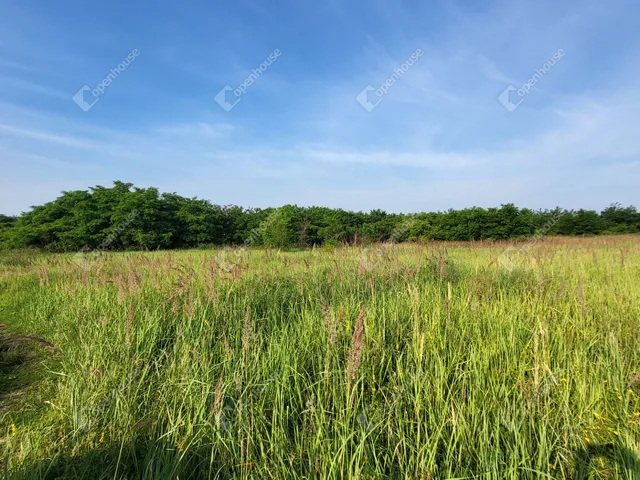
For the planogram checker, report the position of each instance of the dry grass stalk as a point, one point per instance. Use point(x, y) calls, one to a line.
point(561, 290)
point(227, 348)
point(134, 280)
point(121, 284)
point(357, 343)
point(328, 320)
point(623, 255)
point(43, 275)
point(190, 306)
point(129, 321)
point(339, 271)
point(309, 413)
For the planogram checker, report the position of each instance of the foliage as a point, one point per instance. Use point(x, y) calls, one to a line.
point(124, 217)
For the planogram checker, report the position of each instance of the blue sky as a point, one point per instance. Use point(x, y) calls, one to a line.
point(438, 139)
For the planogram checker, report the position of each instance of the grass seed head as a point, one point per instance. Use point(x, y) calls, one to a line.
point(357, 342)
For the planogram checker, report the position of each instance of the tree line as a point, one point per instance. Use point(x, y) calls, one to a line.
point(124, 217)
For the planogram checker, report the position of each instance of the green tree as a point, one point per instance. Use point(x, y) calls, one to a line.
point(283, 230)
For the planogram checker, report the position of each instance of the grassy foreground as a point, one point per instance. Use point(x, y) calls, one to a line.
point(405, 361)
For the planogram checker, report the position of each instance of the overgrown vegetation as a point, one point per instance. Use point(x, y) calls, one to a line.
point(397, 361)
point(127, 218)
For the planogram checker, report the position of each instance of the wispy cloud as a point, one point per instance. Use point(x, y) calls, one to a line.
point(12, 83)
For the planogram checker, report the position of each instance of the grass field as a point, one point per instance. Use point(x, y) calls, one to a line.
point(398, 361)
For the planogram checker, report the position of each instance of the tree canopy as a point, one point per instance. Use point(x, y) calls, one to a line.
point(126, 217)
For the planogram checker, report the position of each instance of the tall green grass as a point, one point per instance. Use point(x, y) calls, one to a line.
point(249, 364)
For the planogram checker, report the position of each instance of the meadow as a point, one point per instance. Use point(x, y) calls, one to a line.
point(427, 361)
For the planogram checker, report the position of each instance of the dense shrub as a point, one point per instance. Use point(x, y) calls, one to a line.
point(124, 217)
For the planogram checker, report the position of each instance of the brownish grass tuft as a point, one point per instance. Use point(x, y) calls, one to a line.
point(357, 343)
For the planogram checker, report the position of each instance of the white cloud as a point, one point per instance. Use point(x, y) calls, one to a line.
point(198, 129)
point(9, 83)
